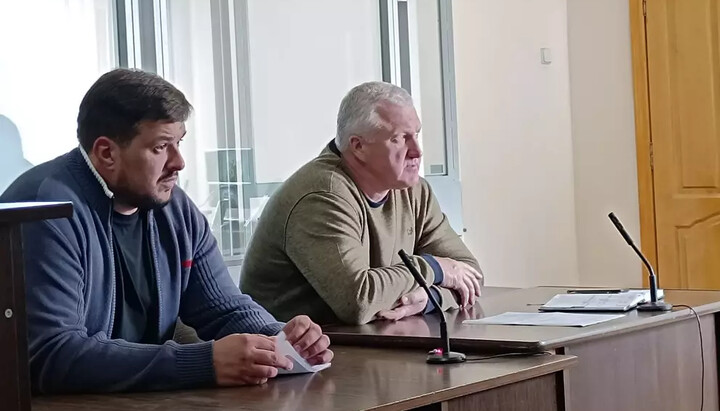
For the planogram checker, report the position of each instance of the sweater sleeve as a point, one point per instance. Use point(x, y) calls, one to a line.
point(212, 304)
point(323, 239)
point(437, 237)
point(64, 357)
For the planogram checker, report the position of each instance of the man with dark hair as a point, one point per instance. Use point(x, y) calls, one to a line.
point(106, 287)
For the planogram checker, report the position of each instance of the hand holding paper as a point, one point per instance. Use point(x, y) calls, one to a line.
point(307, 338)
point(300, 365)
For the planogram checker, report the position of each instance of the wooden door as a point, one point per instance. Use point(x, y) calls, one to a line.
point(683, 93)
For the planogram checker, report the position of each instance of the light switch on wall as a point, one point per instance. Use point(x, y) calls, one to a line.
point(545, 55)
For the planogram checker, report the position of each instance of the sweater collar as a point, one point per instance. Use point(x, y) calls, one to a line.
point(334, 149)
point(93, 187)
point(94, 171)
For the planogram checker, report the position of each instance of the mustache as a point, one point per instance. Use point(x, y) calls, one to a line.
point(168, 176)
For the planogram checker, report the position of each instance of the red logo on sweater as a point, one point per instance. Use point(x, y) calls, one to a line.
point(187, 264)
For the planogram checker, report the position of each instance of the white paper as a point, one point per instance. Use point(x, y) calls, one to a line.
point(623, 301)
point(600, 302)
point(300, 366)
point(545, 319)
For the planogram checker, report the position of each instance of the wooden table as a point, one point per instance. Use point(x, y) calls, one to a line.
point(361, 379)
point(14, 372)
point(641, 361)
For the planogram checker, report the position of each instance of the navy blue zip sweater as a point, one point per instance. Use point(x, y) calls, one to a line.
point(70, 279)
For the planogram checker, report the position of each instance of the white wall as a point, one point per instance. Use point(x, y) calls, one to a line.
point(516, 155)
point(603, 131)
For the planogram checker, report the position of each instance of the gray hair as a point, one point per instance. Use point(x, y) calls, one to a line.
point(358, 109)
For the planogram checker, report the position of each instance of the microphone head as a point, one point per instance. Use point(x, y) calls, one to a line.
point(631, 243)
point(618, 225)
point(615, 221)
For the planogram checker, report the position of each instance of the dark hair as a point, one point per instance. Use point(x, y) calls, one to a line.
point(121, 99)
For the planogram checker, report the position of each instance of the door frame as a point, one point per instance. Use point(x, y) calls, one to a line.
point(643, 136)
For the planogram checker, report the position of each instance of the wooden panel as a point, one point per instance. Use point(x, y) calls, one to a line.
point(14, 377)
point(360, 378)
point(693, 74)
point(14, 372)
point(654, 369)
point(683, 61)
point(562, 385)
point(697, 250)
point(16, 213)
point(537, 394)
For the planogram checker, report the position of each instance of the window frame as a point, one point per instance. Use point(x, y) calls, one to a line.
point(143, 43)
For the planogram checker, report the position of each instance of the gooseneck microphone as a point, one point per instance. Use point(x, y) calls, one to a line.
point(653, 304)
point(434, 357)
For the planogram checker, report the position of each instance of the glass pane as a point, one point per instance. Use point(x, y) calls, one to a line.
point(50, 54)
point(427, 83)
point(304, 57)
point(195, 63)
point(266, 78)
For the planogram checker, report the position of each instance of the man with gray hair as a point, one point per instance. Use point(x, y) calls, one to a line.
point(327, 242)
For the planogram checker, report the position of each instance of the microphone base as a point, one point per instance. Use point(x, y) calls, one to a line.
point(446, 358)
point(655, 306)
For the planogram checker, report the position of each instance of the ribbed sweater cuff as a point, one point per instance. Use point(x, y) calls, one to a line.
point(195, 364)
point(437, 270)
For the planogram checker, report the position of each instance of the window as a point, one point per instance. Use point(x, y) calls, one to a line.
point(51, 52)
point(266, 78)
point(418, 55)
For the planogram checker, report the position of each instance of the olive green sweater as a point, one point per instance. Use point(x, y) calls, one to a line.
point(322, 249)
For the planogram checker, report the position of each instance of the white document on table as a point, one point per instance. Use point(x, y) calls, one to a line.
point(623, 301)
point(300, 365)
point(594, 302)
point(545, 319)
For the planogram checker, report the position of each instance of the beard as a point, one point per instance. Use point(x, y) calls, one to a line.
point(125, 195)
